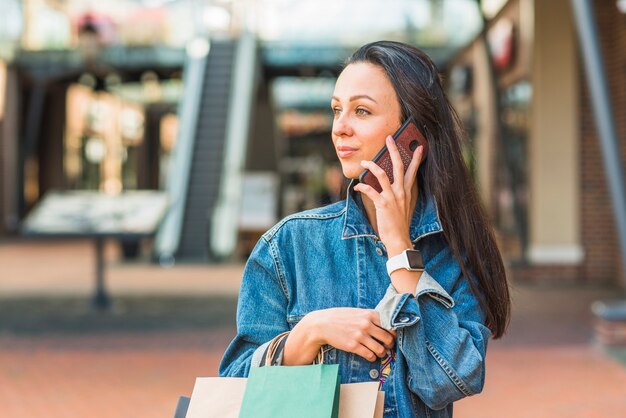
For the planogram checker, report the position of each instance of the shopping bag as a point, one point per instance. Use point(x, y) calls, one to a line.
point(380, 405)
point(285, 391)
point(361, 400)
point(218, 397)
point(292, 391)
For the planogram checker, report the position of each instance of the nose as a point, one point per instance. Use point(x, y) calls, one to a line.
point(342, 126)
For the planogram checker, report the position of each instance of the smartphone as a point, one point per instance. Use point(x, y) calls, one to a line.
point(407, 139)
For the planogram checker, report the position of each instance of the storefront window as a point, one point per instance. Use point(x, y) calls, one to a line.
point(11, 23)
point(304, 118)
point(511, 182)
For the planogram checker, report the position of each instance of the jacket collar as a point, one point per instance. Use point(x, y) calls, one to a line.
point(425, 220)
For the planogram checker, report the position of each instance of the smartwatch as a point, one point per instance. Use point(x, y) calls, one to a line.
point(408, 259)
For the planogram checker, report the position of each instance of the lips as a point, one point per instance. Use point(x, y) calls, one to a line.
point(345, 152)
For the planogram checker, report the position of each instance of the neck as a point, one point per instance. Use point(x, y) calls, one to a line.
point(370, 208)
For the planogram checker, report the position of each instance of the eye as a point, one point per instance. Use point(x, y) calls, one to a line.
point(362, 112)
point(336, 111)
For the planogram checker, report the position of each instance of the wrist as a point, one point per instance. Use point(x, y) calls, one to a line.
point(301, 346)
point(409, 259)
point(405, 281)
point(396, 248)
point(310, 327)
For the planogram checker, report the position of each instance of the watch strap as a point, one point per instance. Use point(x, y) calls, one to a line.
point(401, 261)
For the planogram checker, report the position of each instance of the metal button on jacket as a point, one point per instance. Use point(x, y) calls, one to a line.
point(404, 319)
point(379, 251)
point(374, 374)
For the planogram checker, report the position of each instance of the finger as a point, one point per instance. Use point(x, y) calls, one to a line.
point(369, 191)
point(379, 173)
point(411, 171)
point(386, 337)
point(396, 161)
point(383, 336)
point(366, 353)
point(374, 346)
point(414, 165)
point(374, 317)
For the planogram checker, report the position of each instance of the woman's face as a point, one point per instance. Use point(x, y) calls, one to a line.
point(366, 110)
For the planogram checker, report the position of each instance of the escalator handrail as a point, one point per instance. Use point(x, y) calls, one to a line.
point(168, 237)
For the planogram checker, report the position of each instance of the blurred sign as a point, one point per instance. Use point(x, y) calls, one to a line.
point(461, 80)
point(86, 213)
point(259, 201)
point(502, 42)
point(3, 88)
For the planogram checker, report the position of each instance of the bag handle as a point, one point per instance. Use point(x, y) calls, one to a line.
point(276, 347)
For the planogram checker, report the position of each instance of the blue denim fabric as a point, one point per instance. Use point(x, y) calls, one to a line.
point(331, 257)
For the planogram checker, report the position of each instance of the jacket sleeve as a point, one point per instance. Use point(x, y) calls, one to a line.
point(441, 333)
point(261, 311)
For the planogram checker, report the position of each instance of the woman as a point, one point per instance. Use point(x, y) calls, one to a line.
point(322, 275)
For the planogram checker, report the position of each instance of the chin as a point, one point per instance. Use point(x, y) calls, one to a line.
point(351, 172)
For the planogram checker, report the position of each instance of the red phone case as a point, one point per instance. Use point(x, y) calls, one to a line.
point(407, 138)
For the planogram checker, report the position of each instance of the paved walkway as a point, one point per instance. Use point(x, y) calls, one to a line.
point(60, 359)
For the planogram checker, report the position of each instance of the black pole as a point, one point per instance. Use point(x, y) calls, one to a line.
point(34, 112)
point(101, 300)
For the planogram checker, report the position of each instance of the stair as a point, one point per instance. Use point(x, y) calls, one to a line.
point(208, 153)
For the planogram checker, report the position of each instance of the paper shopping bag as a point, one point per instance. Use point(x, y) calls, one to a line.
point(218, 397)
point(380, 405)
point(221, 397)
point(292, 391)
point(361, 400)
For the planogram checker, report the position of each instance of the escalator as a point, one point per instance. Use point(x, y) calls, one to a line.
point(218, 89)
point(208, 152)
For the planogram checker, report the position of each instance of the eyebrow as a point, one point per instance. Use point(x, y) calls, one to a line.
point(358, 96)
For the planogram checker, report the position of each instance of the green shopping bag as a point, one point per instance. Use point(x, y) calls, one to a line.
point(292, 391)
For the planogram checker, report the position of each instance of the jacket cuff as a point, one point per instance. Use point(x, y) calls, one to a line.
point(401, 310)
point(397, 310)
point(427, 285)
point(259, 353)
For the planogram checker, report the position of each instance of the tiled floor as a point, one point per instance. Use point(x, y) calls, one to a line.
point(112, 376)
point(60, 359)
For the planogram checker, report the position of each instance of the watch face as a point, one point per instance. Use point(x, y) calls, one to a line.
point(415, 259)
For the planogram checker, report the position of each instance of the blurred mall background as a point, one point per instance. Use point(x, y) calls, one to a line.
point(220, 109)
point(223, 105)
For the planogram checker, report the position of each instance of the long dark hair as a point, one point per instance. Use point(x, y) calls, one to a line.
point(444, 173)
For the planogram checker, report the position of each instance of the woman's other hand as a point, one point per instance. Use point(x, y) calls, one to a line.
point(353, 330)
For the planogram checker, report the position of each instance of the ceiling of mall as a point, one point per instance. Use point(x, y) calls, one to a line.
point(426, 23)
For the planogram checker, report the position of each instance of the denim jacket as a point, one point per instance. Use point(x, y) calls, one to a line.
point(331, 257)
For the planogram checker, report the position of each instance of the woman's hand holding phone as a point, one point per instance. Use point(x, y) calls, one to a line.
point(406, 139)
point(393, 203)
